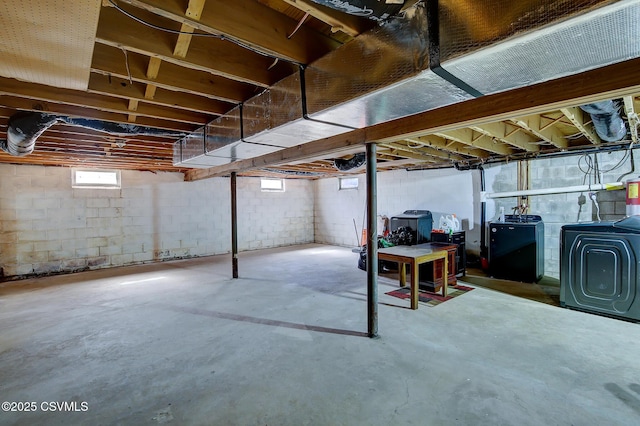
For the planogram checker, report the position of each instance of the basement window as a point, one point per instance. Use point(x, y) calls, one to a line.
point(272, 185)
point(93, 178)
point(348, 183)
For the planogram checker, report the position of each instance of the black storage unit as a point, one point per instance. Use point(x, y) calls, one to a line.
point(420, 222)
point(516, 248)
point(461, 253)
point(599, 267)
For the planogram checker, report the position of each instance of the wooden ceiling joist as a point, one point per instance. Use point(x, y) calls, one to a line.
point(49, 94)
point(219, 57)
point(178, 64)
point(535, 124)
point(509, 134)
point(109, 61)
point(121, 88)
point(582, 121)
point(25, 104)
point(268, 34)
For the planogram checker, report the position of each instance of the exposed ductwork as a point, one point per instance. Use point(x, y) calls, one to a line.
point(23, 131)
point(352, 163)
point(429, 56)
point(26, 127)
point(606, 120)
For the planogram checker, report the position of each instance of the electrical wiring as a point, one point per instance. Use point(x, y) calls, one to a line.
point(211, 35)
point(633, 167)
point(157, 27)
point(592, 166)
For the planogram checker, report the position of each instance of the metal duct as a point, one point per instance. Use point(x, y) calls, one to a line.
point(23, 131)
point(268, 122)
point(499, 45)
point(352, 163)
point(606, 120)
point(486, 45)
point(390, 78)
point(120, 129)
point(278, 116)
point(373, 9)
point(189, 150)
point(26, 127)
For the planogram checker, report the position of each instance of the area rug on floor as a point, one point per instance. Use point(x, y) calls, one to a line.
point(429, 298)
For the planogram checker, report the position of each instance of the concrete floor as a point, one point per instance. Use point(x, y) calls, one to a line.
point(182, 343)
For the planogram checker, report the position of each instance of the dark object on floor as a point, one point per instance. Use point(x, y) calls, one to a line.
point(383, 265)
point(599, 270)
point(516, 248)
point(431, 299)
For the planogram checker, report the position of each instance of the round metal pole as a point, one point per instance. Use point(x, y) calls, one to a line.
point(372, 241)
point(234, 226)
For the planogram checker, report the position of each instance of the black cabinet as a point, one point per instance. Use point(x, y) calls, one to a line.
point(461, 253)
point(516, 248)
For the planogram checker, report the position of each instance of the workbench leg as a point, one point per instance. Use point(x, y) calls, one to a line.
point(414, 285)
point(445, 276)
point(403, 274)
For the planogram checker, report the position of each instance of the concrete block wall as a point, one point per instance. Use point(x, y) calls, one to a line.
point(274, 219)
point(447, 191)
point(48, 227)
point(452, 191)
point(612, 205)
point(560, 209)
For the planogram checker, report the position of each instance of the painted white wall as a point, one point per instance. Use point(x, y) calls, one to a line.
point(446, 191)
point(48, 227)
point(452, 191)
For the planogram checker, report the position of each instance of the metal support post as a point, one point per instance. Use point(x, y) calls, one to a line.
point(234, 226)
point(372, 241)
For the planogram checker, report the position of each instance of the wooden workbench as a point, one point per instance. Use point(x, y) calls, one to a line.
point(414, 256)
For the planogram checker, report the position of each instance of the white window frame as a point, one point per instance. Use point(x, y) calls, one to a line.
point(264, 187)
point(106, 178)
point(343, 187)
